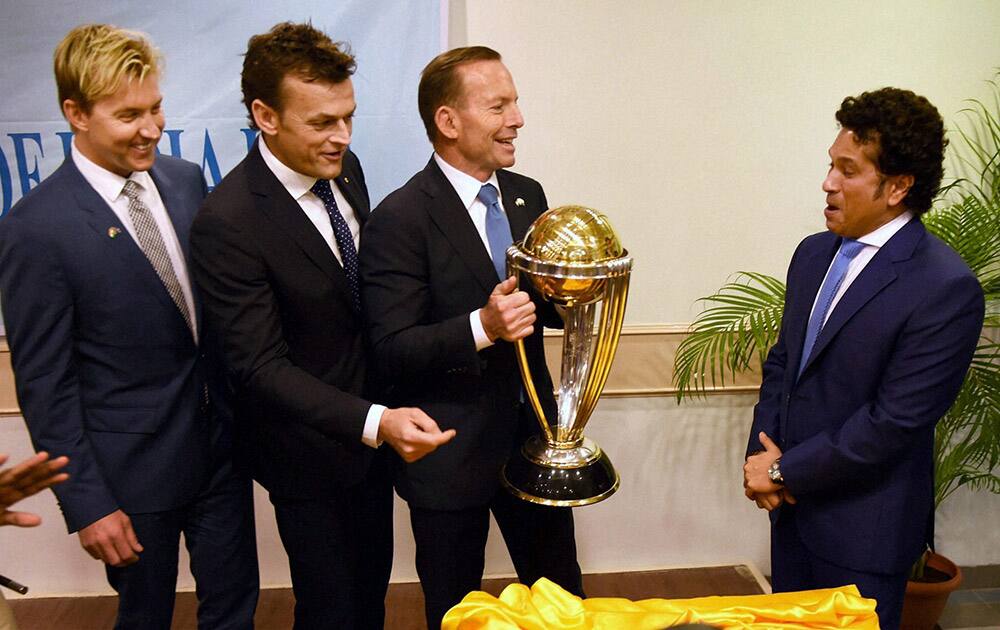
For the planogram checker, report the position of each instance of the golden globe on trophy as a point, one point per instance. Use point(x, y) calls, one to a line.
point(574, 259)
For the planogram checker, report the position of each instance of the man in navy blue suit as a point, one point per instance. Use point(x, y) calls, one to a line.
point(880, 323)
point(107, 346)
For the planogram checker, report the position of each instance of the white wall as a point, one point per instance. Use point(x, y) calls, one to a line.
point(701, 127)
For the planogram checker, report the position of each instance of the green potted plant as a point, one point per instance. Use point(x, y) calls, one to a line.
point(741, 322)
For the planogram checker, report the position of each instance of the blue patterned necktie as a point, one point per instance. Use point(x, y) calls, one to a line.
point(497, 229)
point(343, 236)
point(848, 250)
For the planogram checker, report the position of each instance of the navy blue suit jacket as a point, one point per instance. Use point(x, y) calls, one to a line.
point(857, 428)
point(105, 367)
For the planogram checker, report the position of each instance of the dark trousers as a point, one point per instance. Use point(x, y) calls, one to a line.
point(795, 568)
point(340, 554)
point(218, 530)
point(451, 545)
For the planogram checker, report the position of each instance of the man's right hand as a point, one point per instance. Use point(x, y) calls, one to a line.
point(111, 540)
point(509, 314)
point(411, 432)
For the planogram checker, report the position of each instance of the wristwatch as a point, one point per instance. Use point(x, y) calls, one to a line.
point(774, 473)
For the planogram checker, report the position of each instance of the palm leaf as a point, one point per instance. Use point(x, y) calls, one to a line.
point(742, 324)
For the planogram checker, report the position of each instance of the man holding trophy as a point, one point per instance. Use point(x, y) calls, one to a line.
point(443, 318)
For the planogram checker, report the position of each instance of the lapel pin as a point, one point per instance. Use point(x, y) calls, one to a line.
point(113, 232)
point(347, 180)
point(519, 202)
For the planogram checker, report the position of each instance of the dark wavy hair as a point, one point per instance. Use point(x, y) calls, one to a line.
point(908, 134)
point(290, 49)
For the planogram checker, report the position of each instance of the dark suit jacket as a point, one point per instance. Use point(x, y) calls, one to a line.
point(857, 428)
point(106, 369)
point(424, 269)
point(278, 303)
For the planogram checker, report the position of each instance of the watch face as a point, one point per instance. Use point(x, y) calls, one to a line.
point(774, 472)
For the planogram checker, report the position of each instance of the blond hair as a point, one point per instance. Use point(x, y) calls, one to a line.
point(93, 59)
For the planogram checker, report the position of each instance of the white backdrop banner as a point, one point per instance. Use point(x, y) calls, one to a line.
point(202, 44)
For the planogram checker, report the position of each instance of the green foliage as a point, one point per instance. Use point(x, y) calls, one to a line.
point(726, 338)
point(742, 320)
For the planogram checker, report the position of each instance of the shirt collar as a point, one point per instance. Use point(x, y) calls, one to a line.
point(881, 235)
point(464, 184)
point(294, 182)
point(107, 184)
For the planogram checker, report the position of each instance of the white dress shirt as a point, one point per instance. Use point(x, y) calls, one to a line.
point(298, 186)
point(110, 185)
point(873, 241)
point(467, 187)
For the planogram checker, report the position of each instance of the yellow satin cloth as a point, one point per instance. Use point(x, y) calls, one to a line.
point(546, 606)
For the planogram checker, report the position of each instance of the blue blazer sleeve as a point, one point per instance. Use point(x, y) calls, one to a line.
point(39, 316)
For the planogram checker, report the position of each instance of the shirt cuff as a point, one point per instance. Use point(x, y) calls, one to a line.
point(478, 332)
point(369, 435)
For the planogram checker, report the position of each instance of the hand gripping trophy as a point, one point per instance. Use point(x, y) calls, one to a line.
point(573, 258)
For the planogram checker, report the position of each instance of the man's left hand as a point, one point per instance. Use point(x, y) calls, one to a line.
point(755, 477)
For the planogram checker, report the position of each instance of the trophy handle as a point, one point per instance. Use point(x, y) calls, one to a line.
point(527, 380)
point(609, 333)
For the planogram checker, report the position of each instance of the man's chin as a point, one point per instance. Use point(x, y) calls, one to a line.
point(328, 170)
point(140, 165)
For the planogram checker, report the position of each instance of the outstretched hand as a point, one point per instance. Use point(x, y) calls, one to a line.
point(25, 479)
point(411, 432)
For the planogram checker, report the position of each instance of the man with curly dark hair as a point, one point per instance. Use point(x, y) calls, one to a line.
point(880, 323)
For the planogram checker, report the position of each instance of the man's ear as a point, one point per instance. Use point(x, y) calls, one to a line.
point(75, 115)
point(446, 120)
point(899, 185)
point(264, 116)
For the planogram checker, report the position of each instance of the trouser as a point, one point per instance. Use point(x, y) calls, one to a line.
point(218, 530)
point(795, 568)
point(451, 544)
point(340, 553)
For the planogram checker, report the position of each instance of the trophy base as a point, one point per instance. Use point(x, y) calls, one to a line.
point(563, 477)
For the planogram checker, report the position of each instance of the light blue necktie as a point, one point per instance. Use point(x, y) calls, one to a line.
point(848, 250)
point(497, 229)
point(342, 234)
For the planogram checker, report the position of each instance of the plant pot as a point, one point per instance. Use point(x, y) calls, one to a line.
point(925, 601)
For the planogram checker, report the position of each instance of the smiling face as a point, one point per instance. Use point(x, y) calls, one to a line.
point(311, 132)
point(478, 133)
point(120, 132)
point(859, 198)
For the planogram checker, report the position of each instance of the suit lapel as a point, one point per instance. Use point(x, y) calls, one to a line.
point(172, 201)
point(879, 273)
point(349, 183)
point(452, 218)
point(103, 220)
point(519, 215)
point(284, 212)
point(814, 265)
